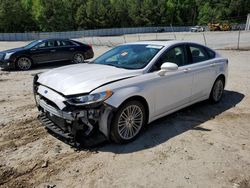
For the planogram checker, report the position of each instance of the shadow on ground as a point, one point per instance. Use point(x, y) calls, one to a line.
point(177, 123)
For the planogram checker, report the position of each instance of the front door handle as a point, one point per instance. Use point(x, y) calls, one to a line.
point(52, 50)
point(212, 64)
point(186, 70)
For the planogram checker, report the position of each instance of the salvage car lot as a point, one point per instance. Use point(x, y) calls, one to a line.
point(201, 146)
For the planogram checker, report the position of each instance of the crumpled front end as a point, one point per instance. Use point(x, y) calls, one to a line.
point(76, 124)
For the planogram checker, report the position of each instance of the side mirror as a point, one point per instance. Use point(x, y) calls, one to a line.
point(167, 67)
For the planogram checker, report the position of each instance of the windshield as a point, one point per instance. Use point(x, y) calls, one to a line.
point(32, 44)
point(133, 56)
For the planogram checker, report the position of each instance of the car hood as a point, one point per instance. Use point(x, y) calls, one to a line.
point(83, 78)
point(12, 50)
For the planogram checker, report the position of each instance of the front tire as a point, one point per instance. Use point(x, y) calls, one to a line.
point(217, 90)
point(128, 122)
point(24, 63)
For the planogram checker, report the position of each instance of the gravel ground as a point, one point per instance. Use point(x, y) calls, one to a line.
point(201, 146)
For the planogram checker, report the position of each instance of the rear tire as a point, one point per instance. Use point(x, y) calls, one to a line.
point(24, 63)
point(78, 58)
point(217, 90)
point(128, 122)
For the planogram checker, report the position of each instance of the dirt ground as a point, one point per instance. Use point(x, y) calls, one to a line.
point(201, 146)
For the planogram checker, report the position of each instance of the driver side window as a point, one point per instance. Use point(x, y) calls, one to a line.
point(41, 45)
point(174, 55)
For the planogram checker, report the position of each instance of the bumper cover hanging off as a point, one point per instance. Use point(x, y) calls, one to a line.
point(81, 142)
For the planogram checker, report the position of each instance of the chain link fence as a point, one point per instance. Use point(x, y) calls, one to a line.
point(86, 33)
point(112, 37)
point(216, 40)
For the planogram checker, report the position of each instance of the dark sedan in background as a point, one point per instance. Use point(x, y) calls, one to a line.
point(44, 51)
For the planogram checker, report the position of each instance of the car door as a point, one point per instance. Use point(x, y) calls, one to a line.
point(44, 52)
point(66, 49)
point(203, 70)
point(173, 90)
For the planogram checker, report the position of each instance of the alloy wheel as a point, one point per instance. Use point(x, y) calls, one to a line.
point(130, 122)
point(218, 90)
point(78, 58)
point(24, 63)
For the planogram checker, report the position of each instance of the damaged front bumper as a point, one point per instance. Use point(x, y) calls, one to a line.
point(75, 124)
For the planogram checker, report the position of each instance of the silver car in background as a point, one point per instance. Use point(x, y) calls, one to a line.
point(197, 28)
point(128, 87)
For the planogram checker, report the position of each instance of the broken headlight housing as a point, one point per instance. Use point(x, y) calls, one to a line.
point(90, 99)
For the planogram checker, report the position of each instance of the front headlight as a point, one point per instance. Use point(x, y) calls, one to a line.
point(7, 55)
point(90, 99)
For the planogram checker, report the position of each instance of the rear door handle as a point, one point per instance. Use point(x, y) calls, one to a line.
point(186, 70)
point(71, 48)
point(52, 50)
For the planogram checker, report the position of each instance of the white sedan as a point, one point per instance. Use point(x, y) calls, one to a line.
point(128, 87)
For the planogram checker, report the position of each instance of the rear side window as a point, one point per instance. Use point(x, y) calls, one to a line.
point(65, 43)
point(50, 43)
point(198, 53)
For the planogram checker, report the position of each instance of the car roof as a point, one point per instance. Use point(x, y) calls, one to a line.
point(53, 39)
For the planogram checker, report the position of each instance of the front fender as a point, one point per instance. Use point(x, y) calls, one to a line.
point(121, 95)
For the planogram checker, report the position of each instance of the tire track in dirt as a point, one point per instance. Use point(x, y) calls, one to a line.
point(15, 135)
point(20, 133)
point(11, 177)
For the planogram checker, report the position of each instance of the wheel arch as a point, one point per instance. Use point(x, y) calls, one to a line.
point(24, 55)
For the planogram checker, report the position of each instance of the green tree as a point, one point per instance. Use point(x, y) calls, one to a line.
point(64, 15)
point(148, 12)
point(81, 17)
point(14, 17)
point(52, 15)
point(134, 12)
point(120, 13)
